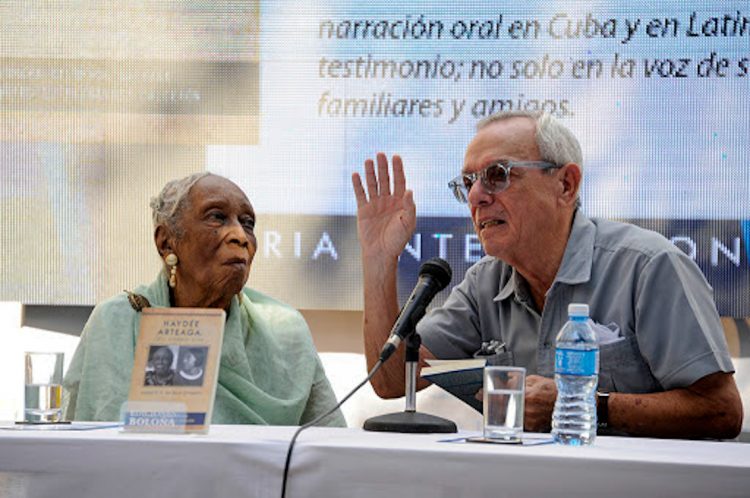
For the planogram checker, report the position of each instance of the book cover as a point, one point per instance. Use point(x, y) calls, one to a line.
point(175, 369)
point(462, 378)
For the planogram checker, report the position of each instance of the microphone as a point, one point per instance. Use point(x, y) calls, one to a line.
point(434, 275)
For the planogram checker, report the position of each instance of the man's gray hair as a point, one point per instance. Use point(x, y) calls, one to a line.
point(167, 207)
point(556, 142)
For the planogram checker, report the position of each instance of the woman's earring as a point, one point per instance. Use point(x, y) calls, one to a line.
point(171, 261)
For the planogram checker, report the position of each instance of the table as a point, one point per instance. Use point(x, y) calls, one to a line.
point(247, 461)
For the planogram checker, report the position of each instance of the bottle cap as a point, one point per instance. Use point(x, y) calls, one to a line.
point(578, 309)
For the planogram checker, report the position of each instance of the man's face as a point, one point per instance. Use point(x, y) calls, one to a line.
point(511, 224)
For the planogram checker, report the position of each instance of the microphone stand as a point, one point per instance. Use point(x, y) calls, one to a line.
point(410, 420)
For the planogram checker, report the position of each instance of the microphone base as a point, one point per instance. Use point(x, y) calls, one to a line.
point(409, 422)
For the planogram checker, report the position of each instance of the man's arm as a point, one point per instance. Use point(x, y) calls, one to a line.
point(709, 408)
point(385, 222)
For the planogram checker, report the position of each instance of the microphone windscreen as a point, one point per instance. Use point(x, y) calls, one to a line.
point(439, 269)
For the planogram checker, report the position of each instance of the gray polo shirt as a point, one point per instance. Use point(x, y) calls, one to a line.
point(631, 278)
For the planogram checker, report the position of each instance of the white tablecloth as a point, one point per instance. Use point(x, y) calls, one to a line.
point(247, 461)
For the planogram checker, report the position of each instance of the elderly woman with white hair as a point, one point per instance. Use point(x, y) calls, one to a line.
point(269, 371)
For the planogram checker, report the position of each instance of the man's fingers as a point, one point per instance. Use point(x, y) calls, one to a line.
point(399, 179)
point(532, 380)
point(409, 202)
point(384, 179)
point(378, 180)
point(359, 190)
point(372, 183)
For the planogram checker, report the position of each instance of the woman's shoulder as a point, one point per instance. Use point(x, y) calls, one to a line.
point(259, 297)
point(110, 318)
point(117, 305)
point(279, 316)
point(268, 305)
point(127, 304)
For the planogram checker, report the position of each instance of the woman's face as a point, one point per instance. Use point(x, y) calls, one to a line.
point(162, 360)
point(217, 245)
point(188, 361)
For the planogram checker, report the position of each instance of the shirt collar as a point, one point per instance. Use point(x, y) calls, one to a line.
point(576, 263)
point(511, 287)
point(578, 258)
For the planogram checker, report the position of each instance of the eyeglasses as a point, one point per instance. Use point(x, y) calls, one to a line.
point(495, 177)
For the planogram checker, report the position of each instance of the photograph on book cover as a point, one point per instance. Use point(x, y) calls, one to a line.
point(171, 365)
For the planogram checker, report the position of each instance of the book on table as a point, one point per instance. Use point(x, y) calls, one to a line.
point(175, 370)
point(462, 378)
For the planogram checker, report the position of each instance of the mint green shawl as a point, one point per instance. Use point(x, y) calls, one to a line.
point(269, 372)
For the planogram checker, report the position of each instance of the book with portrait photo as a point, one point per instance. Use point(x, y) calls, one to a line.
point(176, 365)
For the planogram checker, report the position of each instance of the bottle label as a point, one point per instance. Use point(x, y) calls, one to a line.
point(576, 361)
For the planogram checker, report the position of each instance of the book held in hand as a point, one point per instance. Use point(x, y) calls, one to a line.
point(462, 378)
point(173, 384)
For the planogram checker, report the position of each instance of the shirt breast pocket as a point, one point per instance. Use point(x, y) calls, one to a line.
point(623, 369)
point(503, 359)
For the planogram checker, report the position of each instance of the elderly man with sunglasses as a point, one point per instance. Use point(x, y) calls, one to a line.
point(664, 366)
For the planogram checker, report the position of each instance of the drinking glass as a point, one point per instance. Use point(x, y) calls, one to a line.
point(43, 387)
point(503, 403)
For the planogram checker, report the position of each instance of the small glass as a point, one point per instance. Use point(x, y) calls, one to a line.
point(503, 403)
point(43, 387)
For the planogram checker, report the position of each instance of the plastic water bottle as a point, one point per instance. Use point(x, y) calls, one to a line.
point(576, 376)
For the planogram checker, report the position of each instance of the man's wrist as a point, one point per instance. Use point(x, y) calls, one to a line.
point(602, 410)
point(376, 261)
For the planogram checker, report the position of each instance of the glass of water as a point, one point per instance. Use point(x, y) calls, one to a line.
point(43, 387)
point(503, 403)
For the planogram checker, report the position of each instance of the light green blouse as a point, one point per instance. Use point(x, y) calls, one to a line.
point(269, 372)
